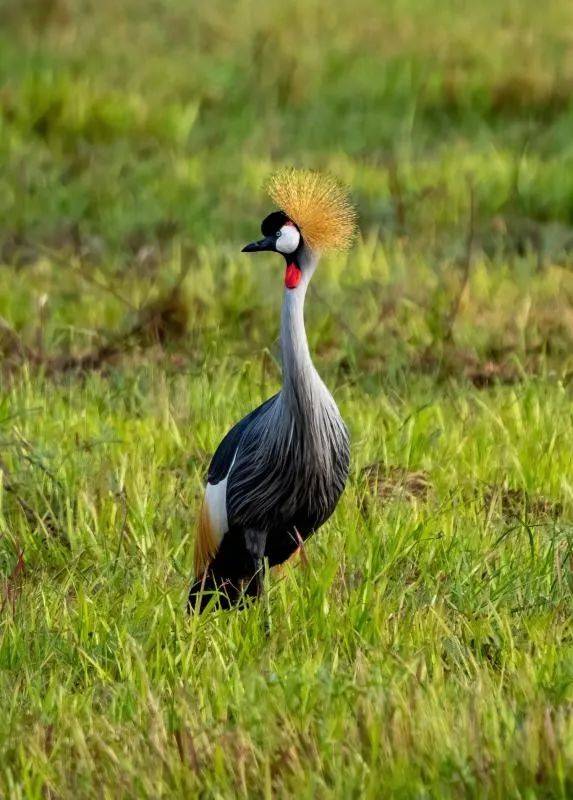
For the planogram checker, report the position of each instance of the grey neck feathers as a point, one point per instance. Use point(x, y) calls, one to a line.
point(295, 457)
point(300, 378)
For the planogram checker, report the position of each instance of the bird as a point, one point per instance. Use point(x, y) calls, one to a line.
point(278, 474)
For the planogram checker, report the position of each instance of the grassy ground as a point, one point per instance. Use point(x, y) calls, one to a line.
point(426, 649)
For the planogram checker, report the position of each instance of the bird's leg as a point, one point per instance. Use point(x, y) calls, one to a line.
point(255, 542)
point(265, 574)
point(301, 551)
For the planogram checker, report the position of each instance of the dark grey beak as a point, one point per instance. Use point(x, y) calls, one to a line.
point(268, 243)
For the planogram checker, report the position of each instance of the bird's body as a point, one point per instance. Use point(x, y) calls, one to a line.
point(277, 475)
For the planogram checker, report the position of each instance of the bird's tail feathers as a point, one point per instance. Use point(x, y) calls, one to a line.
point(205, 544)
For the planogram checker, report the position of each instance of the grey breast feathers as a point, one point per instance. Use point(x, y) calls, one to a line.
point(287, 465)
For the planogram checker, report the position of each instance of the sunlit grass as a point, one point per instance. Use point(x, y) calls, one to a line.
point(425, 645)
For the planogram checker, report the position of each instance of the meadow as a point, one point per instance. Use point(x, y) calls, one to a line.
point(423, 648)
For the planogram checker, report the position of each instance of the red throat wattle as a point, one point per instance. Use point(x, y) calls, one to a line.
point(292, 276)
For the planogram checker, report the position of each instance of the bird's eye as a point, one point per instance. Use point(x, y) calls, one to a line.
point(278, 233)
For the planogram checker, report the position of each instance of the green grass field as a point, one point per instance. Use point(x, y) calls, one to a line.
point(426, 649)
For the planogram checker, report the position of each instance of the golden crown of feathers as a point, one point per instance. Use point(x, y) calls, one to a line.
point(318, 204)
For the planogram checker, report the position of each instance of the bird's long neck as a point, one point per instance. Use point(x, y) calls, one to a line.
point(299, 374)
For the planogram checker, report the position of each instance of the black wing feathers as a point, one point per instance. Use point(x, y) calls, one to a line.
point(223, 458)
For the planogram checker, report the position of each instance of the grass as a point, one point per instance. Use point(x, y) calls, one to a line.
point(426, 648)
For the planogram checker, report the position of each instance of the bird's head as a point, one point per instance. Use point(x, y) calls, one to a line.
point(315, 215)
point(282, 235)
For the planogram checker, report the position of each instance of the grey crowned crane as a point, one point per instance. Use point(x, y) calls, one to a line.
point(278, 474)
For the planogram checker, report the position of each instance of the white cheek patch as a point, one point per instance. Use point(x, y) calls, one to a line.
point(289, 239)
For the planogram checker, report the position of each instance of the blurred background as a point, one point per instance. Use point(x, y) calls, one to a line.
point(135, 138)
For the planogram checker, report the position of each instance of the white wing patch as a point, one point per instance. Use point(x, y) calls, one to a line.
point(216, 502)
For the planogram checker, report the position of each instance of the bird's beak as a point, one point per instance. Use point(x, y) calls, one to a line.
point(268, 243)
